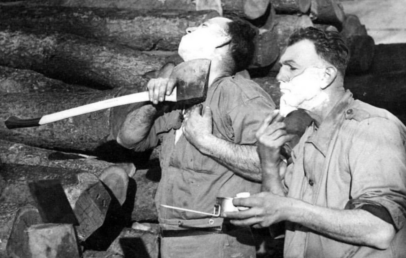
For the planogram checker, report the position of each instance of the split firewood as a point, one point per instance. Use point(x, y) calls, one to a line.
point(140, 30)
point(27, 81)
point(136, 243)
point(291, 6)
point(77, 60)
point(389, 58)
point(18, 241)
point(53, 241)
point(328, 12)
point(91, 209)
point(76, 176)
point(8, 212)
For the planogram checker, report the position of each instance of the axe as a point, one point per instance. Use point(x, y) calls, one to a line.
point(190, 86)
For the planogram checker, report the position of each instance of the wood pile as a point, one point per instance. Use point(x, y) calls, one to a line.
point(56, 55)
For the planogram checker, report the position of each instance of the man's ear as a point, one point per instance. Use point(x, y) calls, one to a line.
point(330, 74)
point(222, 41)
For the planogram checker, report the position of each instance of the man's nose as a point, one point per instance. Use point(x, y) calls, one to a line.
point(281, 77)
point(190, 30)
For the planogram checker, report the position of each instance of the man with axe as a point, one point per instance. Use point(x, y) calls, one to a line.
point(209, 151)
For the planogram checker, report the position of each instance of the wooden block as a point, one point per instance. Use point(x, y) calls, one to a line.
point(17, 244)
point(52, 202)
point(53, 241)
point(91, 209)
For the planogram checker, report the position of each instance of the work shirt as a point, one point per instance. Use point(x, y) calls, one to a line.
point(193, 180)
point(356, 159)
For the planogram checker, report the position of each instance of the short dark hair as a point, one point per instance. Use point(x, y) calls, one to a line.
point(242, 43)
point(329, 45)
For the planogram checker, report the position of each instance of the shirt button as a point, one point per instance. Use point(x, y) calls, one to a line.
point(311, 182)
point(349, 112)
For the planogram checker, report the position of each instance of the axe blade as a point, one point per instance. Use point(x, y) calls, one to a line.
point(192, 80)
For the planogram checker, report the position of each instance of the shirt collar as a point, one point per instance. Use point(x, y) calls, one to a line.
point(322, 136)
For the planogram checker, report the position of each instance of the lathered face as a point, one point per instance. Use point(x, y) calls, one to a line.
point(300, 76)
point(201, 42)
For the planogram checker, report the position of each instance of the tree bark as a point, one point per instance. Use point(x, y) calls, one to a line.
point(243, 7)
point(84, 133)
point(77, 60)
point(140, 30)
point(291, 6)
point(27, 81)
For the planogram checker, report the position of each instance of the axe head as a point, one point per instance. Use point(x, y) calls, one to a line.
point(191, 79)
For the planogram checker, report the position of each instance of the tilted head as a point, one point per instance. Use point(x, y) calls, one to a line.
point(313, 61)
point(227, 40)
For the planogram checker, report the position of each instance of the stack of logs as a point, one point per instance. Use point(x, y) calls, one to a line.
point(56, 55)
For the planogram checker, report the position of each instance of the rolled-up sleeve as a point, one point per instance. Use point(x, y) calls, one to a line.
point(163, 124)
point(377, 161)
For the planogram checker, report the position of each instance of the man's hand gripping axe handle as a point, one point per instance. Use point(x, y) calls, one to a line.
point(191, 85)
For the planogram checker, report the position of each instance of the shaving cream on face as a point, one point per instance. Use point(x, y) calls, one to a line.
point(302, 90)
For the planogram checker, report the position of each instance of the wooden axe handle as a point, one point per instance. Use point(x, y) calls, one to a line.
point(15, 122)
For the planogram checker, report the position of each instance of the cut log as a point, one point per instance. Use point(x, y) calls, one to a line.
point(76, 175)
point(53, 241)
point(352, 27)
point(362, 51)
point(85, 133)
point(140, 30)
point(116, 179)
point(266, 48)
point(17, 243)
point(76, 60)
point(17, 153)
point(389, 58)
point(254, 9)
point(291, 6)
point(328, 12)
point(284, 26)
point(237, 6)
point(27, 81)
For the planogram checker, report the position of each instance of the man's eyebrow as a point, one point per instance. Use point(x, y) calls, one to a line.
point(288, 62)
